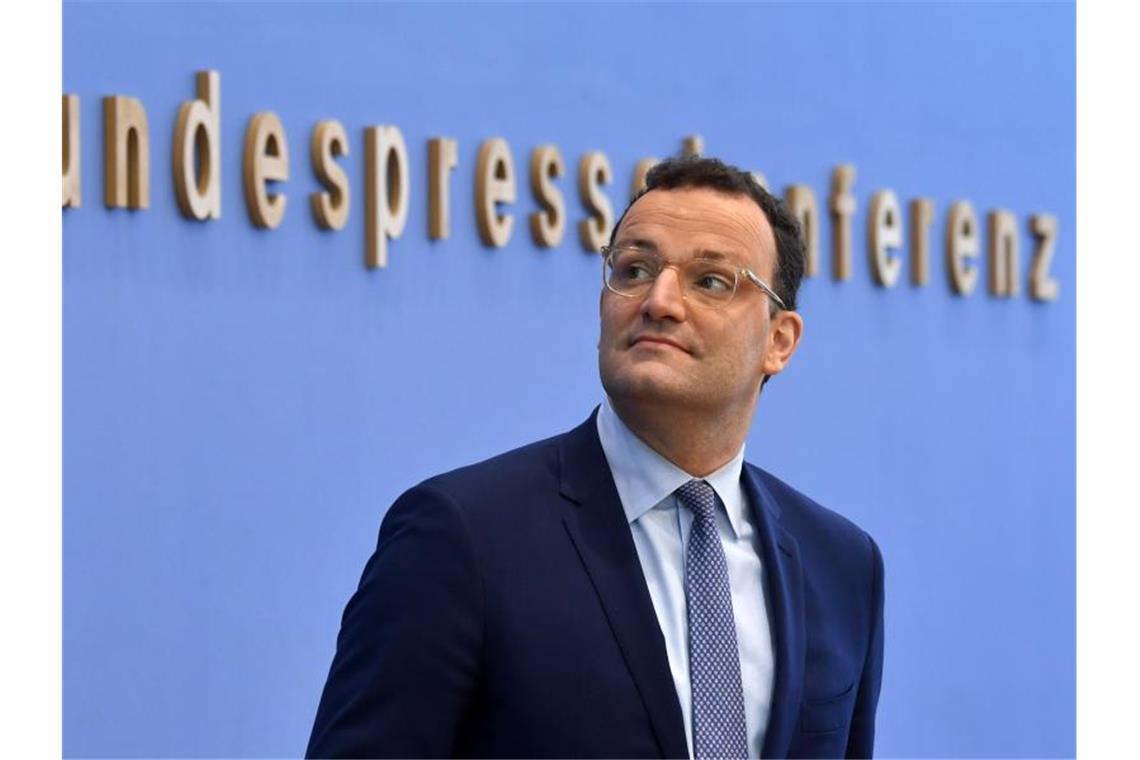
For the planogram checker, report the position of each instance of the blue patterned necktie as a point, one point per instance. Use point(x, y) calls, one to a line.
point(714, 661)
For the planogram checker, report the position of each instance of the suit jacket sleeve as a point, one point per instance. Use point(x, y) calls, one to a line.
point(861, 739)
point(407, 655)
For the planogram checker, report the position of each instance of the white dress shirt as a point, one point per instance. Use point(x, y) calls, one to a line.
point(660, 526)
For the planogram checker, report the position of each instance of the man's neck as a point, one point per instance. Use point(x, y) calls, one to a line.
point(696, 441)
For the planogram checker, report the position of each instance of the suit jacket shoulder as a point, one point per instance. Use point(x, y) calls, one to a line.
point(498, 481)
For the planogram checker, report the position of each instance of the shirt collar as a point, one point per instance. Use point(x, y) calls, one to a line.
point(645, 479)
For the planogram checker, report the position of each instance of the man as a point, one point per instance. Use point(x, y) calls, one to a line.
point(631, 588)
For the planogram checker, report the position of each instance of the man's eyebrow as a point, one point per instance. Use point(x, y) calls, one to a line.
point(714, 255)
point(639, 243)
point(643, 244)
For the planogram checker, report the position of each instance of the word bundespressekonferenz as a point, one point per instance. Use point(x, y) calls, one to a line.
point(196, 170)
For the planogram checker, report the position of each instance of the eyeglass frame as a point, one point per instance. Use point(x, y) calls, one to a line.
point(607, 252)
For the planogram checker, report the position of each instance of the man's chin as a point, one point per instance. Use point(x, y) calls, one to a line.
point(646, 383)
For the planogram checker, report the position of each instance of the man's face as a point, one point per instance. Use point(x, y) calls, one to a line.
point(661, 349)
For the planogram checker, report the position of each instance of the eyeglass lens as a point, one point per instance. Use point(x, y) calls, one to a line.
point(632, 272)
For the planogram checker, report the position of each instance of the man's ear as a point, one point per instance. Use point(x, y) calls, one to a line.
point(784, 335)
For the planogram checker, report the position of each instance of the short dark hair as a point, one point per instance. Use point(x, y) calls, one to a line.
point(700, 171)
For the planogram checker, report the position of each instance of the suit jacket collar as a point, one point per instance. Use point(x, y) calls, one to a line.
point(596, 523)
point(785, 602)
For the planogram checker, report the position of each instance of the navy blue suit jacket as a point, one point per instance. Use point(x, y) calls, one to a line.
point(504, 614)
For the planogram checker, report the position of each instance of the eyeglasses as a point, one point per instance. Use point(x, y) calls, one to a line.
point(711, 283)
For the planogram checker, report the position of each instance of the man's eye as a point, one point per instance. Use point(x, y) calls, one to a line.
point(713, 283)
point(635, 272)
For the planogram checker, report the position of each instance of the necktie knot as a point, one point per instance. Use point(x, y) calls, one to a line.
point(699, 498)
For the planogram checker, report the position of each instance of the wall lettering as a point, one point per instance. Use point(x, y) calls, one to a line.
point(549, 224)
point(1042, 287)
point(593, 172)
point(1003, 258)
point(266, 159)
point(801, 204)
point(842, 206)
point(72, 195)
point(196, 171)
point(961, 246)
point(197, 146)
point(921, 218)
point(386, 190)
point(494, 184)
point(330, 208)
point(126, 153)
point(884, 234)
point(443, 157)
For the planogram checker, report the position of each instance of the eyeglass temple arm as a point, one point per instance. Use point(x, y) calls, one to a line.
point(764, 286)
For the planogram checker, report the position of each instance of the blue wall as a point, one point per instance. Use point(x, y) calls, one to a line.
point(241, 406)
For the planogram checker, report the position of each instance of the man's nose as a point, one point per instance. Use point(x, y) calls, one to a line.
point(665, 297)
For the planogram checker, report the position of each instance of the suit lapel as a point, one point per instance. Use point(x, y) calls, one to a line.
point(785, 602)
point(597, 525)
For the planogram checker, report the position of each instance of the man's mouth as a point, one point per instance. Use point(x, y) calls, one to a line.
point(658, 340)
